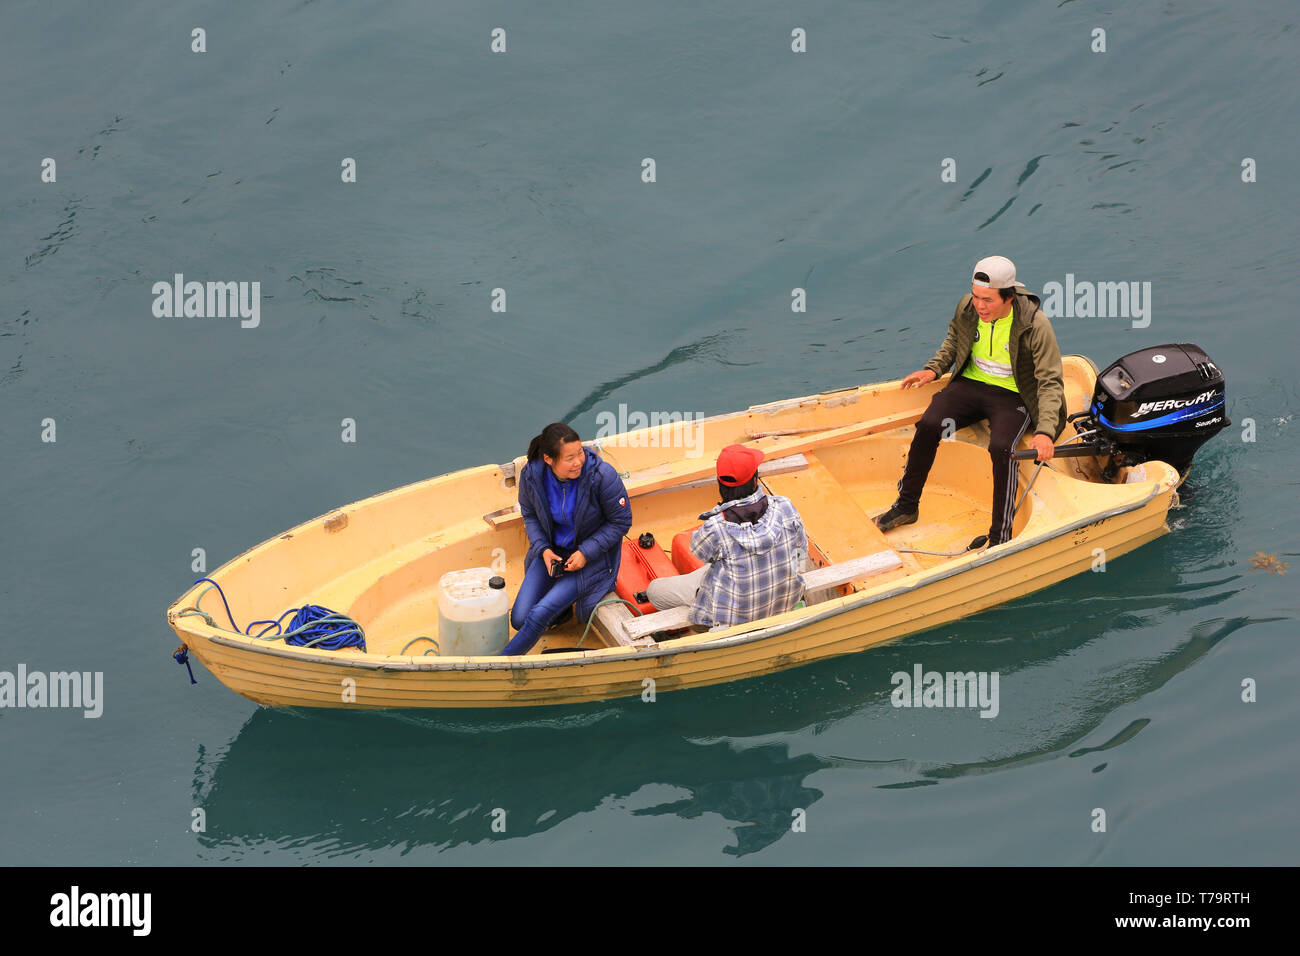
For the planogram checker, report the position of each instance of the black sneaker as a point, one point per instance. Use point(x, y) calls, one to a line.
point(565, 617)
point(895, 517)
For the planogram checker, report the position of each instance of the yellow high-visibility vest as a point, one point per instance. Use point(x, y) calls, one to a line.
point(990, 354)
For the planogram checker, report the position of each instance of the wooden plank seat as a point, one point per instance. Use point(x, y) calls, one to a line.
point(610, 621)
point(854, 569)
point(770, 466)
point(510, 515)
point(638, 629)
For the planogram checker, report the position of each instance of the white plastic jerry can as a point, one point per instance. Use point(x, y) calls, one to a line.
point(473, 613)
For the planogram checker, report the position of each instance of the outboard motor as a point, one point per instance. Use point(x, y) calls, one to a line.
point(1162, 403)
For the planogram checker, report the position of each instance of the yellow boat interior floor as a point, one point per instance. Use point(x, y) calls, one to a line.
point(837, 493)
point(837, 487)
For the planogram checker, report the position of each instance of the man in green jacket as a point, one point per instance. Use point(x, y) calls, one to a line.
point(1006, 368)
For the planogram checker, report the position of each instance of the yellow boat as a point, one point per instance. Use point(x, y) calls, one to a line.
point(836, 455)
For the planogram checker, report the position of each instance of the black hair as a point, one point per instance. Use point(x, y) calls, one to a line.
point(1005, 293)
point(553, 437)
point(736, 492)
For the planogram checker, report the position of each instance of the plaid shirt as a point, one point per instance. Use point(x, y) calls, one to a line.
point(755, 566)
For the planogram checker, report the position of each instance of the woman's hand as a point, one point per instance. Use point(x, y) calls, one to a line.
point(549, 557)
point(576, 561)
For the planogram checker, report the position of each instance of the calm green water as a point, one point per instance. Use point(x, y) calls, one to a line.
point(522, 171)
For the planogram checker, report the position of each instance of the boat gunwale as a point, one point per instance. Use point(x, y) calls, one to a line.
point(842, 605)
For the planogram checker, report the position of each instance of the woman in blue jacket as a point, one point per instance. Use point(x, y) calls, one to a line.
point(576, 512)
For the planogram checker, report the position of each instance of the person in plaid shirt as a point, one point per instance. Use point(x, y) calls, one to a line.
point(754, 545)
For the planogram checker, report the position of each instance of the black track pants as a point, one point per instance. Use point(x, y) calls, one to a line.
point(963, 402)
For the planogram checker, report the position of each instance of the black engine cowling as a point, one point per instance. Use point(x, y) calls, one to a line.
point(1162, 402)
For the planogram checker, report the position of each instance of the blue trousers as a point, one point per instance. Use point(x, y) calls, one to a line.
point(541, 599)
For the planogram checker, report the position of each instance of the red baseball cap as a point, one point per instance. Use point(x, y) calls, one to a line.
point(738, 464)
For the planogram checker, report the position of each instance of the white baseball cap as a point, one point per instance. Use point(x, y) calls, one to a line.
point(1000, 270)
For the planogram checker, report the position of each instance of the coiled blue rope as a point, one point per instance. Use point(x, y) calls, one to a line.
point(312, 626)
